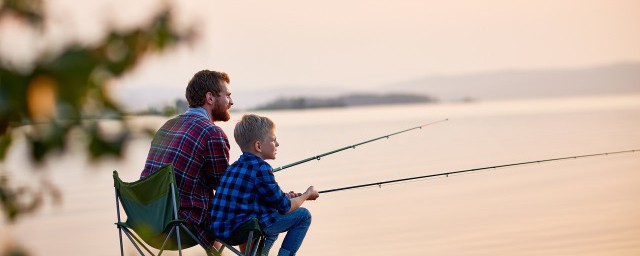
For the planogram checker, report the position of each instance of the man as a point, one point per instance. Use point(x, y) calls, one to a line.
point(197, 148)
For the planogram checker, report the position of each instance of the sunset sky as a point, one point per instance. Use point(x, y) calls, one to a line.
point(360, 44)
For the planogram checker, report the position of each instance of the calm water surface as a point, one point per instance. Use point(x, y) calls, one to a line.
point(576, 207)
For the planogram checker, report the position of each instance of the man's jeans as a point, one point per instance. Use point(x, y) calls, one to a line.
point(295, 224)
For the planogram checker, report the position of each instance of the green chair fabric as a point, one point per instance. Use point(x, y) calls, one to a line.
point(152, 205)
point(151, 212)
point(250, 229)
point(148, 204)
point(241, 233)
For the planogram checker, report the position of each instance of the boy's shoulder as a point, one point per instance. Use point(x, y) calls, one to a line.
point(251, 162)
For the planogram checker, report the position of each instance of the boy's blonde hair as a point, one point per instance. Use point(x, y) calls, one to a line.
point(250, 129)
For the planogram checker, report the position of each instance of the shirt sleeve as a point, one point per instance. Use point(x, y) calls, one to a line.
point(217, 157)
point(270, 191)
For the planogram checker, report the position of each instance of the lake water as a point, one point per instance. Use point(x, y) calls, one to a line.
point(583, 207)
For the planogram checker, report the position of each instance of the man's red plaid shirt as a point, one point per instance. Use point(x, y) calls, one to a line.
point(199, 152)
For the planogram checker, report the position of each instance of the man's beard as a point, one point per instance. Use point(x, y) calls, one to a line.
point(220, 113)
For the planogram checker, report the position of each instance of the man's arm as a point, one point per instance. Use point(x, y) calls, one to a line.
point(217, 158)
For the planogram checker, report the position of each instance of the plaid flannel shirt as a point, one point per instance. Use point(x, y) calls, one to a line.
point(248, 189)
point(199, 152)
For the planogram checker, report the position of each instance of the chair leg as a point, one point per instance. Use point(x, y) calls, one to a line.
point(256, 246)
point(234, 250)
point(139, 243)
point(119, 228)
point(166, 239)
point(247, 250)
point(133, 242)
point(208, 251)
point(179, 241)
point(120, 236)
point(175, 215)
point(216, 252)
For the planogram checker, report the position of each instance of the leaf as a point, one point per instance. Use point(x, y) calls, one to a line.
point(5, 142)
point(73, 81)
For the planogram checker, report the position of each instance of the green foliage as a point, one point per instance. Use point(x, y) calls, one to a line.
point(20, 200)
point(30, 10)
point(15, 251)
point(68, 90)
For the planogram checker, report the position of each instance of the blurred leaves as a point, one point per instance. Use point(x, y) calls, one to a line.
point(68, 90)
point(21, 200)
point(30, 10)
point(15, 250)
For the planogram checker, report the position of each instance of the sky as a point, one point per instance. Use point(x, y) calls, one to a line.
point(361, 45)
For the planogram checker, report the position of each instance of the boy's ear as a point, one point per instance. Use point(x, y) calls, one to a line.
point(257, 146)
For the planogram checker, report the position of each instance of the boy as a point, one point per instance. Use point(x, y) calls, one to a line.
point(248, 190)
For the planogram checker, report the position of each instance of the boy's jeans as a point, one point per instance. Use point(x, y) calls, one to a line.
point(295, 224)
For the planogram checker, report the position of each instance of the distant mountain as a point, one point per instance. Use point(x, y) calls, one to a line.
point(344, 101)
point(612, 79)
point(256, 98)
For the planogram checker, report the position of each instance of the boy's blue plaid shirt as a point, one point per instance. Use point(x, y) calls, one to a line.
point(247, 189)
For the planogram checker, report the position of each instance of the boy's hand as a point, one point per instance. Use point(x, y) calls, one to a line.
point(292, 194)
point(312, 193)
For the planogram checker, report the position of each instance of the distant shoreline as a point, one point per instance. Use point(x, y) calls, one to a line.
point(344, 101)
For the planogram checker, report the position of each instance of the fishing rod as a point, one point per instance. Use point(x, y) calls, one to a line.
point(446, 174)
point(353, 146)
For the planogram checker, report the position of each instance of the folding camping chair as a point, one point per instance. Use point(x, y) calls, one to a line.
point(152, 204)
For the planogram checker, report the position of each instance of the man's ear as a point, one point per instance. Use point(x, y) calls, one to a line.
point(257, 146)
point(209, 97)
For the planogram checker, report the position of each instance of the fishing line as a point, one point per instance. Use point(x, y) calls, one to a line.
point(318, 157)
point(446, 174)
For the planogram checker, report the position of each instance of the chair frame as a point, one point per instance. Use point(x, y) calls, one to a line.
point(252, 243)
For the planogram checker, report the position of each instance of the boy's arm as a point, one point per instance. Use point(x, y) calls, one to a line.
point(310, 194)
point(269, 191)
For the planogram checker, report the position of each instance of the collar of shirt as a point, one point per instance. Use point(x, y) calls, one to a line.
point(250, 157)
point(198, 111)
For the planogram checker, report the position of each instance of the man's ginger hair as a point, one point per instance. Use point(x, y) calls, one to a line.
point(202, 82)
